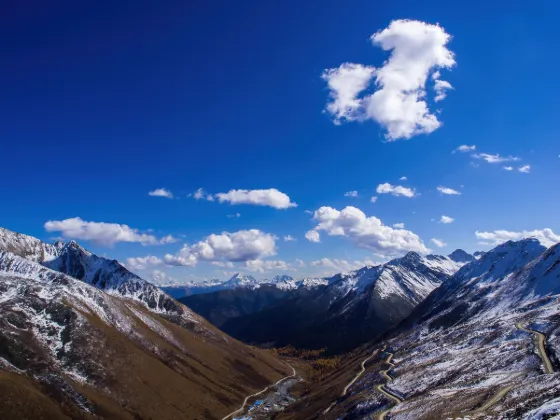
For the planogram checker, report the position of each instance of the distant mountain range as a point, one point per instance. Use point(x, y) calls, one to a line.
point(339, 312)
point(81, 337)
point(238, 280)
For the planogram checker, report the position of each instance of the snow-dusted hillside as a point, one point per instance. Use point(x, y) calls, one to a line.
point(74, 351)
point(351, 307)
point(465, 352)
point(107, 275)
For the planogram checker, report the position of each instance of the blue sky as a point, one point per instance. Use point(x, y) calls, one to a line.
point(102, 104)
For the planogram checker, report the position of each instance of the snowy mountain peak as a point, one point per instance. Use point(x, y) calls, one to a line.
point(461, 256)
point(281, 278)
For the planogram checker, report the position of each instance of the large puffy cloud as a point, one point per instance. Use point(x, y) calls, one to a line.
point(345, 84)
point(366, 232)
point(270, 197)
point(266, 265)
point(398, 104)
point(102, 233)
point(546, 236)
point(240, 246)
point(396, 190)
point(161, 192)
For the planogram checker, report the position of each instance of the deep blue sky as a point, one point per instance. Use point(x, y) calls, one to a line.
point(101, 103)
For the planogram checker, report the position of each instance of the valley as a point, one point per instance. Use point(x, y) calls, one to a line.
point(418, 337)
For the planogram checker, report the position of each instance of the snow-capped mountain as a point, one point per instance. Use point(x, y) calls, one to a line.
point(352, 307)
point(467, 351)
point(71, 350)
point(73, 260)
point(238, 280)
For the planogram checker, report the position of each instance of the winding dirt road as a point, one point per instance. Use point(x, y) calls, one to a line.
point(240, 409)
point(381, 388)
point(360, 373)
point(541, 339)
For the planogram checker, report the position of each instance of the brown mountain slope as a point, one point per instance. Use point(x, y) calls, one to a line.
point(69, 350)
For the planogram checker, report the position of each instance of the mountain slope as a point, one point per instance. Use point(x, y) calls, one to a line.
point(467, 350)
point(352, 309)
point(71, 350)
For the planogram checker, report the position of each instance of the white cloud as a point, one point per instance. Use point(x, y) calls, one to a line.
point(351, 194)
point(169, 239)
point(495, 158)
point(243, 245)
point(340, 266)
point(403, 178)
point(200, 194)
point(268, 265)
point(525, 169)
point(366, 232)
point(396, 190)
point(161, 192)
point(234, 216)
point(300, 263)
point(289, 238)
point(399, 225)
point(447, 191)
point(374, 199)
point(225, 264)
point(438, 242)
point(142, 263)
point(313, 236)
point(508, 168)
point(271, 197)
point(399, 101)
point(496, 237)
point(464, 148)
point(345, 84)
point(446, 220)
point(106, 234)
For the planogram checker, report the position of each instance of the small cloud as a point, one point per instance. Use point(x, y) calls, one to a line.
point(313, 236)
point(308, 211)
point(270, 197)
point(447, 191)
point(169, 239)
point(161, 192)
point(446, 220)
point(234, 216)
point(374, 199)
point(464, 148)
point(289, 238)
point(508, 168)
point(438, 242)
point(495, 158)
point(300, 263)
point(395, 190)
point(525, 169)
point(399, 225)
point(403, 178)
point(351, 194)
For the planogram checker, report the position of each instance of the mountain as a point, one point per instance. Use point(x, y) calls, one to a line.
point(105, 274)
point(282, 282)
point(233, 302)
point(352, 308)
point(110, 345)
point(470, 349)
